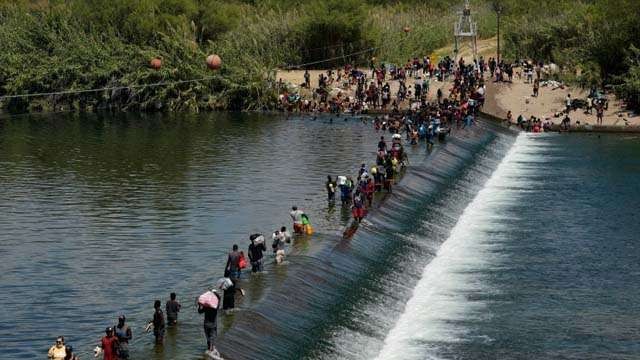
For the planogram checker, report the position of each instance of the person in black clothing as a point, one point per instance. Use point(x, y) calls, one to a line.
point(210, 325)
point(256, 249)
point(172, 308)
point(382, 145)
point(307, 79)
point(388, 176)
point(230, 295)
point(70, 355)
point(158, 322)
point(331, 186)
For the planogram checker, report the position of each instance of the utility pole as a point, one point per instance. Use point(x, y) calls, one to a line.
point(497, 7)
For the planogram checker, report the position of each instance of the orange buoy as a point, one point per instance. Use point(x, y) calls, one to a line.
point(214, 62)
point(156, 63)
point(407, 29)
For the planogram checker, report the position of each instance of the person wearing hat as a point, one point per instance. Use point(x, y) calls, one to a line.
point(109, 345)
point(123, 334)
point(57, 351)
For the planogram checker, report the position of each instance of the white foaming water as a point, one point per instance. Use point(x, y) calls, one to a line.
point(440, 297)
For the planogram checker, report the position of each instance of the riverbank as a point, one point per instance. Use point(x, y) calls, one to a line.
point(501, 97)
point(516, 97)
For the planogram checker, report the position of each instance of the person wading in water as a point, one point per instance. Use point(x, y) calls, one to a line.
point(331, 189)
point(210, 325)
point(233, 263)
point(158, 322)
point(296, 216)
point(172, 307)
point(255, 252)
point(57, 351)
point(109, 345)
point(123, 334)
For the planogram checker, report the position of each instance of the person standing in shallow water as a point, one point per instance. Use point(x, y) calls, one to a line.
point(358, 206)
point(331, 189)
point(124, 335)
point(172, 307)
point(57, 351)
point(70, 355)
point(255, 252)
point(109, 345)
point(233, 263)
point(158, 322)
point(296, 216)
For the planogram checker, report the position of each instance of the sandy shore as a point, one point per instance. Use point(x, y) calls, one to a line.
point(502, 97)
point(516, 96)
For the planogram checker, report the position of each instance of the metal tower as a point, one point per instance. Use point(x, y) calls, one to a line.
point(465, 32)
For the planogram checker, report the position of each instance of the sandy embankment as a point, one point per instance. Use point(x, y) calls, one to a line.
point(502, 97)
point(516, 97)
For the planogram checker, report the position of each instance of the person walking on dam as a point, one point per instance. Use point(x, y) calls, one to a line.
point(256, 252)
point(233, 263)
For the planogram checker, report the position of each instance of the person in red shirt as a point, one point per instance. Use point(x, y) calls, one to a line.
point(109, 344)
point(369, 189)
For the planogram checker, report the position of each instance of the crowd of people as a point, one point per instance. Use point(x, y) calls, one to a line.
point(114, 345)
point(356, 91)
point(595, 102)
point(423, 121)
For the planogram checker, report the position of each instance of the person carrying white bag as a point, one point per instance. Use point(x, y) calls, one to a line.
point(208, 304)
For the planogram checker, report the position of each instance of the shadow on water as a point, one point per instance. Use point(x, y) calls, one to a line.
point(297, 315)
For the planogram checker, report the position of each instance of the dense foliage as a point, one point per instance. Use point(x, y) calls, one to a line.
point(53, 45)
point(86, 44)
point(591, 39)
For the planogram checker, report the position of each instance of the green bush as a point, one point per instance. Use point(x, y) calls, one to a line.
point(588, 35)
point(629, 86)
point(83, 44)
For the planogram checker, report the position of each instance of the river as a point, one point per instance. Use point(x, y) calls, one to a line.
point(495, 245)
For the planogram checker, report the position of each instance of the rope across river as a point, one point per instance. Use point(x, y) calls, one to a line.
point(178, 82)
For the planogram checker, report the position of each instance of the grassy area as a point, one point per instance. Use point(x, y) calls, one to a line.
point(60, 45)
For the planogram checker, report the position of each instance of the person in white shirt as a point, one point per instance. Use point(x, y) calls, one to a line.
point(280, 239)
point(296, 216)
